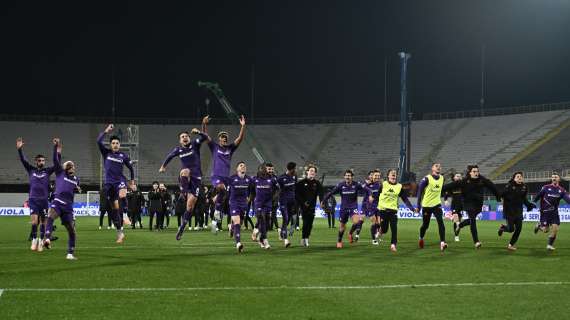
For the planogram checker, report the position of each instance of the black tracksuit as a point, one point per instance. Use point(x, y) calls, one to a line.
point(135, 202)
point(456, 201)
point(166, 207)
point(179, 206)
point(306, 192)
point(472, 192)
point(154, 207)
point(514, 197)
point(104, 207)
point(330, 207)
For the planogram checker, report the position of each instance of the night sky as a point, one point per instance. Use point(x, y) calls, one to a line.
point(310, 58)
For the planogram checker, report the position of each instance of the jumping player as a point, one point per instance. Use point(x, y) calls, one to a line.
point(514, 196)
point(190, 177)
point(239, 189)
point(472, 190)
point(389, 193)
point(62, 205)
point(39, 193)
point(287, 183)
point(115, 182)
point(549, 197)
point(221, 161)
point(348, 190)
point(429, 202)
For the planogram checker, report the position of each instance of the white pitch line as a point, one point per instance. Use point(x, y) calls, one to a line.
point(386, 286)
point(1, 292)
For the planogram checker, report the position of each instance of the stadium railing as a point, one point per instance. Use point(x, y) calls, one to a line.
point(296, 120)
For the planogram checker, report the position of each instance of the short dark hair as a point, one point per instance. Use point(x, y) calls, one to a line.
point(309, 166)
point(181, 132)
point(237, 165)
point(349, 171)
point(390, 170)
point(38, 156)
point(269, 164)
point(114, 138)
point(291, 166)
point(155, 182)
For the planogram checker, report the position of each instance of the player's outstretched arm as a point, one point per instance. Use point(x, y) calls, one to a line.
point(57, 154)
point(241, 135)
point(25, 162)
point(100, 138)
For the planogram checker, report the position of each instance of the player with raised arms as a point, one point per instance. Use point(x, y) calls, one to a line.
point(39, 192)
point(66, 183)
point(222, 152)
point(115, 187)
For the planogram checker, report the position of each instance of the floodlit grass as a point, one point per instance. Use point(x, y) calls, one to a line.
point(202, 276)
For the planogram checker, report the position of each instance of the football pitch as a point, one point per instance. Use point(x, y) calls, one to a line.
point(153, 276)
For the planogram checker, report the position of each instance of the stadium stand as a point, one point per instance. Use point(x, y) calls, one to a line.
point(488, 141)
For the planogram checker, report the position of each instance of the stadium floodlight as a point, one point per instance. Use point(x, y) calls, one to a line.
point(403, 168)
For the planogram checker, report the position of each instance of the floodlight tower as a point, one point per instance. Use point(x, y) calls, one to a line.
point(233, 117)
point(403, 165)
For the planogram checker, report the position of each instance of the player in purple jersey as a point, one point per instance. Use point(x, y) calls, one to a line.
point(66, 183)
point(549, 197)
point(348, 190)
point(370, 210)
point(264, 186)
point(287, 183)
point(39, 193)
point(239, 186)
point(190, 177)
point(115, 186)
point(221, 161)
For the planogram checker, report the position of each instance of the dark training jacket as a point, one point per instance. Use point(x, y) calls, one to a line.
point(514, 196)
point(472, 191)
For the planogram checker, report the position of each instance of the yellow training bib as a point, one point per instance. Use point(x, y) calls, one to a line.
point(388, 198)
point(432, 192)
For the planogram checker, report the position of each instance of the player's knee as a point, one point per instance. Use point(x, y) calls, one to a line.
point(185, 172)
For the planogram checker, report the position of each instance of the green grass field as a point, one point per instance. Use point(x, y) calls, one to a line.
point(202, 277)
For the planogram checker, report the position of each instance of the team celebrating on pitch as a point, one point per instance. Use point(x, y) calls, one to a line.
point(236, 191)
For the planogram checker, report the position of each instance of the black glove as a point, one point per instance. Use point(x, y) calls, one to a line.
point(530, 207)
